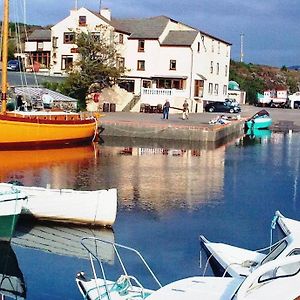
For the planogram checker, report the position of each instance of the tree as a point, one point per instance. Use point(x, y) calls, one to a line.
point(98, 62)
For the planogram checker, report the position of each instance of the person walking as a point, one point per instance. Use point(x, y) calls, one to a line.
point(185, 110)
point(166, 109)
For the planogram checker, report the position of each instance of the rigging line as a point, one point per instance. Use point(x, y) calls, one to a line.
point(18, 42)
point(26, 40)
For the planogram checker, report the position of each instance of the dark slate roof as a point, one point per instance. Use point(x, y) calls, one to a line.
point(40, 35)
point(180, 38)
point(150, 28)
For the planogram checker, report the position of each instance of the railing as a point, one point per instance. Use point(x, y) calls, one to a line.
point(94, 245)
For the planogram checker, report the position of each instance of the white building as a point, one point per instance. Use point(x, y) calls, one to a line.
point(38, 49)
point(164, 59)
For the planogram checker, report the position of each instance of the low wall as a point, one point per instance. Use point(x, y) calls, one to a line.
point(211, 133)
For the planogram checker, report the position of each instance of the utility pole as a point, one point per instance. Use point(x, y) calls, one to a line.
point(76, 4)
point(100, 5)
point(242, 48)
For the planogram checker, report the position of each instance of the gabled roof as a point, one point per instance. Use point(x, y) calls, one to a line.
point(40, 35)
point(180, 38)
point(97, 14)
point(149, 28)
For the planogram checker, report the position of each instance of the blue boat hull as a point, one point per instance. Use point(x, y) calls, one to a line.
point(259, 123)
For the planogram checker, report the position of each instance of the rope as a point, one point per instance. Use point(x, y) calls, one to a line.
point(273, 226)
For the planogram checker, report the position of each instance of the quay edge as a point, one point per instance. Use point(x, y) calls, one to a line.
point(171, 131)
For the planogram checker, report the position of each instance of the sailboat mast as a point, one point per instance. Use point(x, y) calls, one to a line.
point(4, 54)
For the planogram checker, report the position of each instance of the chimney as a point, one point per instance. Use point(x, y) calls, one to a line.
point(106, 13)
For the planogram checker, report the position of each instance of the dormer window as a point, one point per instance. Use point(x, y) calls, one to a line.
point(82, 21)
point(141, 46)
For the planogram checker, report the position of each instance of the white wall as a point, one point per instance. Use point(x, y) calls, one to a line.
point(70, 24)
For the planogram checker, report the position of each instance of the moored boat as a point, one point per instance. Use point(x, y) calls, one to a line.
point(97, 207)
point(261, 120)
point(28, 128)
point(41, 129)
point(230, 260)
point(11, 203)
point(277, 278)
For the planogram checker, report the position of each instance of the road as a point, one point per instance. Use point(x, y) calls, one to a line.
point(17, 78)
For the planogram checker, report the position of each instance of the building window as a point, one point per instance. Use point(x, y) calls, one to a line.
point(121, 63)
point(211, 67)
point(82, 21)
point(212, 45)
point(216, 91)
point(141, 46)
point(141, 65)
point(54, 42)
point(40, 46)
point(227, 51)
point(66, 62)
point(219, 47)
point(146, 84)
point(69, 37)
point(165, 83)
point(121, 38)
point(218, 68)
point(172, 64)
point(96, 37)
point(226, 70)
point(210, 88)
point(198, 47)
point(225, 90)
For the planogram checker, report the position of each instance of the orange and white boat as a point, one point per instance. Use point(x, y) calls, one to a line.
point(40, 128)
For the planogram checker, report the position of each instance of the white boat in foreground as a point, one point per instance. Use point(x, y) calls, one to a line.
point(286, 225)
point(234, 261)
point(276, 280)
point(65, 205)
point(11, 203)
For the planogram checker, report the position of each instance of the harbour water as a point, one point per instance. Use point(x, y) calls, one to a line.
point(168, 195)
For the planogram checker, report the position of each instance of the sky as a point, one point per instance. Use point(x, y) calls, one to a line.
point(270, 27)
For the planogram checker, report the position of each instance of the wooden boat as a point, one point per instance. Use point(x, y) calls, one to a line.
point(12, 284)
point(27, 129)
point(11, 203)
point(66, 205)
point(277, 278)
point(261, 120)
point(234, 261)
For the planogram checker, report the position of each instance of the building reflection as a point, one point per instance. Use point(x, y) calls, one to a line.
point(153, 175)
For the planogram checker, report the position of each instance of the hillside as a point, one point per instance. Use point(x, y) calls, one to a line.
point(257, 78)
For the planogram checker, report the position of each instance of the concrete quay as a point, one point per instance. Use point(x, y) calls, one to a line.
point(195, 129)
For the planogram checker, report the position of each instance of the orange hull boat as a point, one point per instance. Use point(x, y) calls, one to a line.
point(27, 129)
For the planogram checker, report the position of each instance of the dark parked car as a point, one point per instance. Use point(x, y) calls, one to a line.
point(14, 65)
point(219, 106)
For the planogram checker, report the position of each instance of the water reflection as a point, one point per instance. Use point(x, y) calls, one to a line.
point(254, 137)
point(61, 240)
point(151, 175)
point(28, 166)
point(12, 283)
